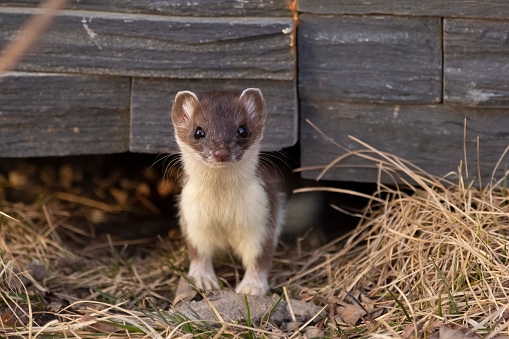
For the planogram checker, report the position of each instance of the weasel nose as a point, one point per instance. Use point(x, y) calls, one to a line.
point(222, 155)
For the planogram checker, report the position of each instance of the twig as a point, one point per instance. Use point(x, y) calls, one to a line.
point(28, 35)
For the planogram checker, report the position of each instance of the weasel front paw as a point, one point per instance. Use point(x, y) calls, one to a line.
point(201, 272)
point(205, 281)
point(254, 287)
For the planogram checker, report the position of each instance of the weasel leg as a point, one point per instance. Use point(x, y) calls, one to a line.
point(257, 260)
point(256, 276)
point(201, 270)
point(255, 282)
point(202, 273)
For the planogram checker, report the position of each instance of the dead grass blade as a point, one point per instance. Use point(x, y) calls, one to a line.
point(437, 254)
point(29, 34)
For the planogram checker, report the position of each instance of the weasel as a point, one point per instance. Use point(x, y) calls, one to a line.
point(230, 199)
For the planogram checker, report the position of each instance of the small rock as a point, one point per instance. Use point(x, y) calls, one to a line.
point(291, 326)
point(313, 332)
point(232, 306)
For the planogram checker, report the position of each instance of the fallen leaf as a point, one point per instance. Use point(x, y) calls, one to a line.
point(87, 317)
point(184, 292)
point(351, 314)
point(368, 303)
point(306, 297)
point(409, 332)
point(333, 299)
point(99, 326)
point(313, 332)
point(413, 330)
point(10, 320)
point(105, 327)
point(454, 332)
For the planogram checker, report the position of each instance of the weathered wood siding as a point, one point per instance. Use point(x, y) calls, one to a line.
point(404, 77)
point(476, 68)
point(157, 46)
point(135, 56)
point(431, 136)
point(56, 114)
point(370, 58)
point(198, 8)
point(437, 8)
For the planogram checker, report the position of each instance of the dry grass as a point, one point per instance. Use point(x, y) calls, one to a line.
point(437, 255)
point(434, 255)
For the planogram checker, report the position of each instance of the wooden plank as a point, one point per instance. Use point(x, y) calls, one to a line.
point(262, 8)
point(372, 58)
point(158, 46)
point(151, 128)
point(50, 114)
point(476, 56)
point(430, 136)
point(450, 8)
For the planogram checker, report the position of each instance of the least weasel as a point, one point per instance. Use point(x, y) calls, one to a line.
point(229, 199)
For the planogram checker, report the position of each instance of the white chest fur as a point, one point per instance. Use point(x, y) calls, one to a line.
point(225, 207)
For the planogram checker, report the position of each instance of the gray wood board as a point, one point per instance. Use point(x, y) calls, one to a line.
point(370, 59)
point(175, 7)
point(450, 8)
point(53, 115)
point(476, 62)
point(431, 137)
point(158, 46)
point(151, 128)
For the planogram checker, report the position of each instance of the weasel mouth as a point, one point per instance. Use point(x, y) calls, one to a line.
point(220, 165)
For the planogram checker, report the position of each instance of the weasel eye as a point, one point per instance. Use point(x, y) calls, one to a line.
point(199, 133)
point(242, 131)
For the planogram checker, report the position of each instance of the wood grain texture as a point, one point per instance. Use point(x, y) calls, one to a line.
point(267, 8)
point(429, 136)
point(50, 114)
point(450, 8)
point(151, 128)
point(370, 59)
point(158, 46)
point(476, 62)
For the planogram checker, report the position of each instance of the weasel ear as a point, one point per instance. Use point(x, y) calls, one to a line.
point(183, 107)
point(255, 104)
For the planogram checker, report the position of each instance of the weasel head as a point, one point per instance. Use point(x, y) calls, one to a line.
point(219, 129)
